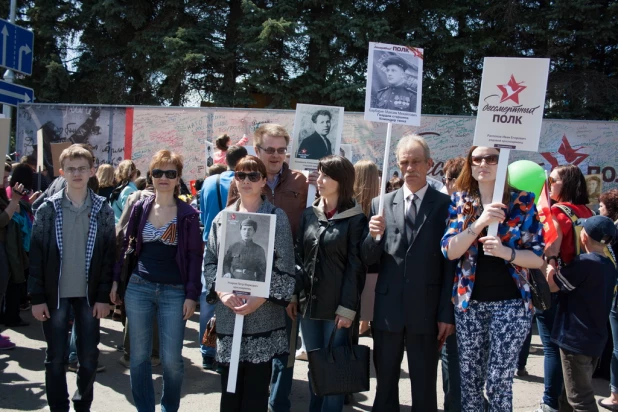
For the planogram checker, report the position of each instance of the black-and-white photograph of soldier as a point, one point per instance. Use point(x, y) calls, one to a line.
point(318, 144)
point(246, 259)
point(394, 83)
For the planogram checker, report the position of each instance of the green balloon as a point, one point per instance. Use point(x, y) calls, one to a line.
point(528, 176)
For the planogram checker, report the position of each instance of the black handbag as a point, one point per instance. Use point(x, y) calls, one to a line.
point(130, 256)
point(340, 370)
point(539, 288)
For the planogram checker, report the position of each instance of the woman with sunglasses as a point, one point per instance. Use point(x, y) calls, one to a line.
point(165, 282)
point(567, 189)
point(333, 275)
point(264, 335)
point(493, 307)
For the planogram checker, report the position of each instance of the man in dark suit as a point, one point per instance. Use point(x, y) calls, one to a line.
point(317, 145)
point(413, 292)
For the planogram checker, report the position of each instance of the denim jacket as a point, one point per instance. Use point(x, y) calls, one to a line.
point(521, 230)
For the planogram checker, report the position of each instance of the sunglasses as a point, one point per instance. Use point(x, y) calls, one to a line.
point(445, 180)
point(272, 150)
point(253, 176)
point(170, 174)
point(551, 180)
point(489, 159)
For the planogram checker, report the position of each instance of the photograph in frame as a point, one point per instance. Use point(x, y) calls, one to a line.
point(317, 133)
point(394, 84)
point(594, 184)
point(246, 253)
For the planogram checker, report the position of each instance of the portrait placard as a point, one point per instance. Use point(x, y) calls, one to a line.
point(246, 253)
point(511, 103)
point(56, 151)
point(317, 133)
point(210, 153)
point(394, 84)
point(594, 184)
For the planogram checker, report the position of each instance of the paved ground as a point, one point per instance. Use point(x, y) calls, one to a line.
point(22, 377)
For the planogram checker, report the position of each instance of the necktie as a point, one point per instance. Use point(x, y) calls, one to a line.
point(411, 219)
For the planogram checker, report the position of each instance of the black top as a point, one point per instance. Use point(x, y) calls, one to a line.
point(584, 303)
point(493, 282)
point(157, 263)
point(106, 191)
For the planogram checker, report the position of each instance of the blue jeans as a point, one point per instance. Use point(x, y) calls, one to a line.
point(282, 376)
point(316, 334)
point(87, 335)
point(207, 311)
point(552, 364)
point(143, 300)
point(613, 320)
point(451, 379)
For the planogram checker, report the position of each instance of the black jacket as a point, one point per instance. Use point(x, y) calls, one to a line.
point(332, 275)
point(45, 254)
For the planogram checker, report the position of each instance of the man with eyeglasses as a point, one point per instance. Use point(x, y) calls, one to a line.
point(286, 189)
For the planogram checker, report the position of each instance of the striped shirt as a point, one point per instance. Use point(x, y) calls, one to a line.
point(168, 233)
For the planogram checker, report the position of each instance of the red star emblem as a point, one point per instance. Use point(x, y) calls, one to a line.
point(233, 216)
point(304, 151)
point(570, 154)
point(511, 90)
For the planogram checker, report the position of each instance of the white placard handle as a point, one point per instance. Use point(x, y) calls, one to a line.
point(503, 165)
point(235, 356)
point(311, 189)
point(387, 151)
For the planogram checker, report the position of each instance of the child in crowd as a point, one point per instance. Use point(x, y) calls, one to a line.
point(580, 328)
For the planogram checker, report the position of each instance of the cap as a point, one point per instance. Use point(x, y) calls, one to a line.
point(397, 61)
point(599, 228)
point(249, 222)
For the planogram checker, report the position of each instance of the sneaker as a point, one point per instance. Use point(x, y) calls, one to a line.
point(219, 369)
point(125, 361)
point(545, 408)
point(301, 355)
point(6, 344)
point(155, 361)
point(522, 372)
point(208, 362)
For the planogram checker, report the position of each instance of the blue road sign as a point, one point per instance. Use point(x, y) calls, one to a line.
point(17, 45)
point(12, 94)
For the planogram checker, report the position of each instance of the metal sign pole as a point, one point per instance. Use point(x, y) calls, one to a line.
point(8, 77)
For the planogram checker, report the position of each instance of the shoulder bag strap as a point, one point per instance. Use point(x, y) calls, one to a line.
point(219, 192)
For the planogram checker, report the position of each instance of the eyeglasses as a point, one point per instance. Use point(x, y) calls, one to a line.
point(445, 179)
point(170, 174)
point(272, 150)
point(76, 170)
point(253, 176)
point(489, 159)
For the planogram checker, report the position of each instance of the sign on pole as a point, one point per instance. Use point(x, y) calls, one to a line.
point(13, 94)
point(510, 111)
point(17, 46)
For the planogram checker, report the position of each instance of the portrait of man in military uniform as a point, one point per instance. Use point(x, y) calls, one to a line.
point(397, 95)
point(245, 259)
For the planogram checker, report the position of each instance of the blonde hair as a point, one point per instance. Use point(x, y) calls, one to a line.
point(125, 171)
point(366, 184)
point(105, 175)
point(76, 151)
point(271, 129)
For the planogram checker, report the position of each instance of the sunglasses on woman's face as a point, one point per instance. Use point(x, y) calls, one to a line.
point(170, 174)
point(489, 159)
point(445, 179)
point(551, 180)
point(253, 176)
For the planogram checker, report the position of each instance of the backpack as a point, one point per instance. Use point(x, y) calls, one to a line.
point(577, 229)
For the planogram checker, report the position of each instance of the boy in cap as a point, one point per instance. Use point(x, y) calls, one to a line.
point(580, 328)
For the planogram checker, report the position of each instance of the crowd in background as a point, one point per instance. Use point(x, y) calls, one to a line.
point(425, 275)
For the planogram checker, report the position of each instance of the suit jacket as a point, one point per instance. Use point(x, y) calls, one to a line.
point(415, 282)
point(312, 147)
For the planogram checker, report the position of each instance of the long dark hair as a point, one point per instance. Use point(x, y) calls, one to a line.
point(341, 170)
point(574, 188)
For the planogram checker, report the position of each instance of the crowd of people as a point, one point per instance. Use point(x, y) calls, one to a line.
point(427, 275)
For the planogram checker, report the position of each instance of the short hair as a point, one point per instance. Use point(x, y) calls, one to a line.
point(29, 160)
point(8, 167)
point(105, 174)
point(271, 129)
point(574, 188)
point(610, 200)
point(233, 155)
point(140, 183)
point(198, 184)
point(125, 171)
point(342, 171)
point(216, 169)
point(249, 222)
point(409, 139)
point(22, 173)
point(222, 141)
point(76, 151)
point(251, 164)
point(314, 116)
point(93, 184)
point(454, 167)
point(166, 156)
point(396, 182)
